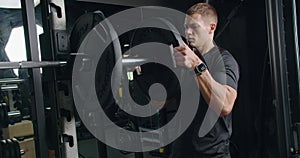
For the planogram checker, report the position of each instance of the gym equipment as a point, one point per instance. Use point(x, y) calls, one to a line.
point(100, 33)
point(11, 80)
point(105, 32)
point(30, 64)
point(4, 120)
point(7, 117)
point(168, 36)
point(88, 37)
point(152, 71)
point(10, 148)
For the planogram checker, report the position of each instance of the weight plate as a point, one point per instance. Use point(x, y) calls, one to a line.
point(86, 98)
point(105, 33)
point(5, 117)
point(152, 72)
point(17, 149)
point(11, 148)
point(5, 148)
point(82, 27)
point(1, 150)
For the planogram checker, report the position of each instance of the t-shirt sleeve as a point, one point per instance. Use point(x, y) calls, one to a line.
point(223, 68)
point(231, 70)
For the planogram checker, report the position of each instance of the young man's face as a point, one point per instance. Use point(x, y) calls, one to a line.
point(197, 30)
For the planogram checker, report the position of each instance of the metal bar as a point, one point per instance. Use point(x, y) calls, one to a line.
point(11, 80)
point(30, 64)
point(9, 87)
point(133, 61)
point(127, 61)
point(296, 47)
point(47, 47)
point(295, 19)
point(277, 54)
point(294, 71)
point(38, 111)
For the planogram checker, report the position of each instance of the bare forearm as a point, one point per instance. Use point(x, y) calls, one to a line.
point(219, 97)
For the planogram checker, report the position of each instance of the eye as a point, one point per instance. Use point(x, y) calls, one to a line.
point(194, 26)
point(191, 26)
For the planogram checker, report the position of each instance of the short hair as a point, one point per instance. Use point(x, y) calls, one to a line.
point(204, 9)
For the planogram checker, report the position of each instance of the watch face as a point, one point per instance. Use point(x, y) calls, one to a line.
point(200, 68)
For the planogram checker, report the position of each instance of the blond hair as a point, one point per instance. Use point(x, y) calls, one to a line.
point(205, 10)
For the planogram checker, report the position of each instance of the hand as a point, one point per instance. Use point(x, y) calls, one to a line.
point(185, 57)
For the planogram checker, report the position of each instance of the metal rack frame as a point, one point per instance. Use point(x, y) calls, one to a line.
point(38, 112)
point(284, 66)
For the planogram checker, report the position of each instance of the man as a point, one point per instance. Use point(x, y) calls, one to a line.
point(217, 74)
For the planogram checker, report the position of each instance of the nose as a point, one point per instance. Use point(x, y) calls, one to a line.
point(188, 31)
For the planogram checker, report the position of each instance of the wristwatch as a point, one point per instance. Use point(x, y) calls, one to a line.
point(200, 68)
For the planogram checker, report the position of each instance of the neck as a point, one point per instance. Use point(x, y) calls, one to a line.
point(205, 48)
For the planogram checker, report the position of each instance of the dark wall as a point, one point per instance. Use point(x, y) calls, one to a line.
point(254, 130)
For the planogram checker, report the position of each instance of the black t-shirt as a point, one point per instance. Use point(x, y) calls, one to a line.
point(225, 70)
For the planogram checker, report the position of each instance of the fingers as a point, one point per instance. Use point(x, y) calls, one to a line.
point(185, 49)
point(184, 62)
point(181, 60)
point(179, 55)
point(184, 56)
point(180, 48)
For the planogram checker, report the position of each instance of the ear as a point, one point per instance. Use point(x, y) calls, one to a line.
point(212, 27)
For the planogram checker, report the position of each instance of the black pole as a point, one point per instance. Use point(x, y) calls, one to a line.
point(278, 65)
point(38, 112)
point(50, 79)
